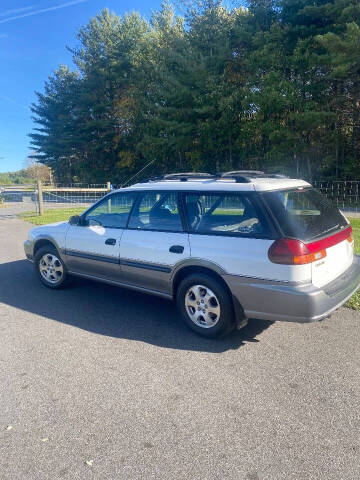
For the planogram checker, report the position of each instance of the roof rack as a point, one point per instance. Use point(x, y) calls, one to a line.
point(240, 176)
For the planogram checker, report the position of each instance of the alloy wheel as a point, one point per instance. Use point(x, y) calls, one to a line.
point(202, 306)
point(51, 268)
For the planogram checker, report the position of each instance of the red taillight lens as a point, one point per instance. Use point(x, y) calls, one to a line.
point(288, 251)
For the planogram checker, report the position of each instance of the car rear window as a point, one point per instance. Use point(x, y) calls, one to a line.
point(304, 213)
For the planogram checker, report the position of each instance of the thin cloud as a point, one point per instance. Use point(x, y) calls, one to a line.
point(10, 100)
point(43, 10)
point(3, 35)
point(16, 11)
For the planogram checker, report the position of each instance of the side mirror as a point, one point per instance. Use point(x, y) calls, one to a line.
point(74, 220)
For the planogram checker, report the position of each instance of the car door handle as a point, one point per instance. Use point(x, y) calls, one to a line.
point(110, 241)
point(176, 249)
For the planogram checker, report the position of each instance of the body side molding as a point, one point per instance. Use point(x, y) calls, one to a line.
point(122, 284)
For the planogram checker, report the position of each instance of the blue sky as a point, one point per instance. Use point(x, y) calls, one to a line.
point(33, 36)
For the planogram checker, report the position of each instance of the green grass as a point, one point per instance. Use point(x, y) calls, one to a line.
point(51, 216)
point(354, 301)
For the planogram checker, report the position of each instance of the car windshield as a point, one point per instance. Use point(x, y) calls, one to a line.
point(304, 213)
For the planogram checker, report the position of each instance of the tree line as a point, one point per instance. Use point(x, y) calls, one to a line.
point(273, 86)
point(30, 173)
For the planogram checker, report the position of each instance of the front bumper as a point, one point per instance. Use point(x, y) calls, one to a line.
point(271, 300)
point(29, 247)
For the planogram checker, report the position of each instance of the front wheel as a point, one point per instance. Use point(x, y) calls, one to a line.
point(49, 267)
point(205, 305)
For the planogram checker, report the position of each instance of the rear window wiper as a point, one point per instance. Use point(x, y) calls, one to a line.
point(327, 231)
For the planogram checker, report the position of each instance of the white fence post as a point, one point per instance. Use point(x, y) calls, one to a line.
point(108, 187)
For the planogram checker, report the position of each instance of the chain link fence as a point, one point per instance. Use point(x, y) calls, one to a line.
point(344, 194)
point(31, 200)
point(79, 196)
point(74, 198)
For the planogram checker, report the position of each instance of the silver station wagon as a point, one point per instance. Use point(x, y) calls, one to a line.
point(225, 247)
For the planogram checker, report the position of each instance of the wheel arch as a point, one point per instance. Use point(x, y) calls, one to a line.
point(213, 271)
point(42, 242)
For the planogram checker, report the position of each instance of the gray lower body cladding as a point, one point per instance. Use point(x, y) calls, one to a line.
point(270, 300)
point(28, 248)
point(256, 298)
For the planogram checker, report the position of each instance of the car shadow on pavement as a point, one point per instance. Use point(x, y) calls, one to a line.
point(112, 311)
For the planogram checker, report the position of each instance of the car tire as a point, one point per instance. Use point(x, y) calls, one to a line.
point(50, 268)
point(206, 305)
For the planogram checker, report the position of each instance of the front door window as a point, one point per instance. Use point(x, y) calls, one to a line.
point(112, 212)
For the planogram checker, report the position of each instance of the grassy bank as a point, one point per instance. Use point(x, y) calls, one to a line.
point(52, 215)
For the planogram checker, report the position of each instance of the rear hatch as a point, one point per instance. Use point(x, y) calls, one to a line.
point(304, 214)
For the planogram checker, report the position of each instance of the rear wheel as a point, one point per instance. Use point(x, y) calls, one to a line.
point(205, 305)
point(49, 267)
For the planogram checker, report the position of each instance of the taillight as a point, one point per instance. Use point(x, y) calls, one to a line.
point(289, 251)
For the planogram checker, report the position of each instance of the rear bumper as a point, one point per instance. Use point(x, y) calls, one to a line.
point(270, 300)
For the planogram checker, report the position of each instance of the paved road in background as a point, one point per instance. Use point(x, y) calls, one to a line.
point(111, 377)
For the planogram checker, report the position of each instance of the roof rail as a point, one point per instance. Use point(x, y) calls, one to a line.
point(152, 179)
point(241, 176)
point(277, 175)
point(183, 177)
point(242, 172)
point(252, 174)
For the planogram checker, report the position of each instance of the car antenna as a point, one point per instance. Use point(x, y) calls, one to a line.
point(136, 174)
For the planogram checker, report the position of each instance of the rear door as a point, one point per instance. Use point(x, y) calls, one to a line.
point(229, 230)
point(93, 248)
point(154, 241)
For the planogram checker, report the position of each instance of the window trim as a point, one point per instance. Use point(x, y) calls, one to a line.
point(161, 192)
point(260, 203)
point(272, 235)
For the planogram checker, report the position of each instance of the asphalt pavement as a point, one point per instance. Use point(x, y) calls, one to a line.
point(103, 383)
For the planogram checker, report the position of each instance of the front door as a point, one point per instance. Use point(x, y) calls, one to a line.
point(154, 242)
point(93, 248)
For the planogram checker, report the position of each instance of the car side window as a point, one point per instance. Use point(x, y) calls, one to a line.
point(224, 214)
point(156, 211)
point(112, 212)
